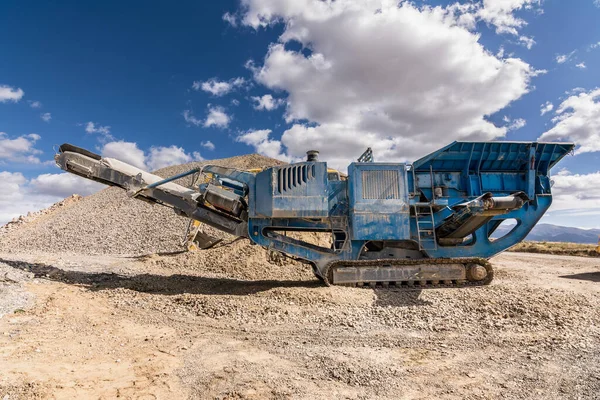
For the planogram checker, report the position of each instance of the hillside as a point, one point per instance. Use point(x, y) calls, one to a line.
point(556, 233)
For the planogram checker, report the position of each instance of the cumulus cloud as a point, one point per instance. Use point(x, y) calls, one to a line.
point(578, 119)
point(20, 149)
point(63, 185)
point(526, 41)
point(9, 93)
point(46, 117)
point(546, 108)
point(19, 195)
point(259, 140)
point(156, 158)
point(160, 157)
point(128, 152)
point(516, 124)
point(190, 119)
point(500, 14)
point(35, 104)
point(581, 65)
point(576, 200)
point(102, 131)
point(406, 78)
point(266, 102)
point(218, 88)
point(216, 117)
point(576, 191)
point(11, 196)
point(208, 145)
point(11, 183)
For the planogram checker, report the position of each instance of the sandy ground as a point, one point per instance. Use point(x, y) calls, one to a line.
point(138, 328)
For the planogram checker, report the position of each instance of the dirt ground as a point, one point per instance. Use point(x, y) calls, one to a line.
point(141, 328)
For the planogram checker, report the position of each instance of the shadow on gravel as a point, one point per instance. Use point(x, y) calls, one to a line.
point(159, 284)
point(586, 276)
point(399, 298)
point(180, 284)
point(163, 254)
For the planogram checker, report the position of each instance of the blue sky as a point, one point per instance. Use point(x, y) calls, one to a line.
point(158, 83)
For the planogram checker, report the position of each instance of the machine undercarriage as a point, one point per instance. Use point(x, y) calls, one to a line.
point(428, 224)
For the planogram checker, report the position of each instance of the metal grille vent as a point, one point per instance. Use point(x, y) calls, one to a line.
point(381, 184)
point(289, 178)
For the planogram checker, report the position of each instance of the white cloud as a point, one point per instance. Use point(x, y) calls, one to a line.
point(527, 42)
point(576, 191)
point(11, 182)
point(217, 117)
point(516, 124)
point(578, 119)
point(235, 102)
point(35, 104)
point(407, 78)
point(102, 131)
point(230, 19)
point(208, 145)
point(127, 152)
point(190, 119)
point(46, 117)
point(160, 157)
point(546, 107)
point(63, 185)
point(267, 102)
point(91, 127)
point(8, 93)
point(594, 45)
point(500, 14)
point(12, 198)
point(575, 90)
point(218, 88)
point(259, 139)
point(18, 195)
point(20, 150)
point(563, 58)
point(581, 65)
point(597, 3)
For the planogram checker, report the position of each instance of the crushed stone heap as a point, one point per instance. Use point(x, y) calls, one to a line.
point(109, 222)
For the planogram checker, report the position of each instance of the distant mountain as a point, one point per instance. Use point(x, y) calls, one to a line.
point(555, 233)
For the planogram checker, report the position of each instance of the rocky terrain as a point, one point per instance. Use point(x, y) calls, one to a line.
point(97, 300)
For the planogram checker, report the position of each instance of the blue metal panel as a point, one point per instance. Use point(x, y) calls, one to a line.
point(378, 199)
point(296, 190)
point(494, 156)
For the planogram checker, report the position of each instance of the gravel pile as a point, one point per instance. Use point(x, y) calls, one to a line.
point(109, 222)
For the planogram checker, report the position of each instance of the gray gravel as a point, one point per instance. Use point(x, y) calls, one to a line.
point(109, 222)
point(13, 296)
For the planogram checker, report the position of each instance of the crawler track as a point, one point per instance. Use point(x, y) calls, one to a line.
point(408, 273)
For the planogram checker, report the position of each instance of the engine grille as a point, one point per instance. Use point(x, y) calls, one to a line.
point(292, 177)
point(380, 184)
